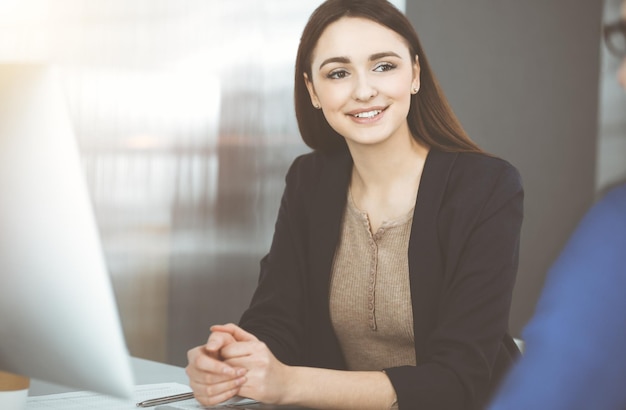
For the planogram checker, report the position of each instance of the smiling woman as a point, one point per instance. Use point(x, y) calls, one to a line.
point(389, 279)
point(368, 85)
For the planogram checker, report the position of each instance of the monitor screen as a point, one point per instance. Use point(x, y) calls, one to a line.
point(58, 316)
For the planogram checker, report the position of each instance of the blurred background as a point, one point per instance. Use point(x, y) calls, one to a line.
point(184, 116)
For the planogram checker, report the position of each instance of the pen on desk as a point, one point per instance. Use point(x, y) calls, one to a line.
point(165, 400)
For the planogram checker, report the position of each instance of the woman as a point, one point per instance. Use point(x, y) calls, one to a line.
point(390, 274)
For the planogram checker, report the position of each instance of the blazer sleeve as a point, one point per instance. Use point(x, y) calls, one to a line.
point(479, 229)
point(275, 314)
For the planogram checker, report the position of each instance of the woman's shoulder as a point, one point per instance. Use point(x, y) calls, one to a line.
point(484, 165)
point(472, 179)
point(476, 169)
point(316, 165)
point(317, 181)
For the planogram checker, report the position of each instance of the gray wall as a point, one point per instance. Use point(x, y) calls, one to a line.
point(522, 77)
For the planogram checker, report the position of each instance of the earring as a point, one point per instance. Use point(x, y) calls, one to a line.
point(317, 106)
point(414, 90)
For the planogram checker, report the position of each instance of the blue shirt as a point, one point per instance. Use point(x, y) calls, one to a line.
point(575, 354)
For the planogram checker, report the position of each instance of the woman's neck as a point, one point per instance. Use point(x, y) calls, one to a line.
point(383, 165)
point(385, 179)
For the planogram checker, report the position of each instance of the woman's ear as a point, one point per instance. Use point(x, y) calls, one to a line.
point(415, 84)
point(309, 86)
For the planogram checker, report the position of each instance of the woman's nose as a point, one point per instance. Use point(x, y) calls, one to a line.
point(364, 90)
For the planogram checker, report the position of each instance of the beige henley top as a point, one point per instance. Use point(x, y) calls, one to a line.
point(370, 297)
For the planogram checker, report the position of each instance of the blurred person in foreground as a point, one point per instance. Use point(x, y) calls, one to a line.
point(576, 341)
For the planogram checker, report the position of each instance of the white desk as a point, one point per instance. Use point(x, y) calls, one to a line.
point(146, 372)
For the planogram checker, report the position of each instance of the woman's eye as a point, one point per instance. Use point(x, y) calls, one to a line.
point(384, 67)
point(337, 74)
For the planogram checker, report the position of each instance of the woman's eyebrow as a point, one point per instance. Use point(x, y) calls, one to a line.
point(342, 60)
point(346, 60)
point(384, 54)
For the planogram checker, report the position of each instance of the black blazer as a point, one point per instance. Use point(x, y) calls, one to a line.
point(463, 256)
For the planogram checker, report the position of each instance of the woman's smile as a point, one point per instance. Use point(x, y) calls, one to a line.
point(367, 115)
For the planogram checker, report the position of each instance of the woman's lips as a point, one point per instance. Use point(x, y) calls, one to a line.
point(367, 115)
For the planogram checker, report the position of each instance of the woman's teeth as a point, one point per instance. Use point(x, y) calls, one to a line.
point(368, 114)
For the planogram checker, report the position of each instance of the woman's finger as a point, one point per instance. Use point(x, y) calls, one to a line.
point(216, 393)
point(202, 366)
point(238, 333)
point(217, 340)
point(241, 350)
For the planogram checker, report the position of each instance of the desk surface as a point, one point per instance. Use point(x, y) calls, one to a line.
point(145, 371)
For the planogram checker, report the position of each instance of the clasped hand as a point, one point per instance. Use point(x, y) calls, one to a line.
point(234, 362)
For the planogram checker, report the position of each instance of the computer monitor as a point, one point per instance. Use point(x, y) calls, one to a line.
point(59, 321)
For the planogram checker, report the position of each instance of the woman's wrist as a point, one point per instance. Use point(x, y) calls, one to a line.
point(290, 390)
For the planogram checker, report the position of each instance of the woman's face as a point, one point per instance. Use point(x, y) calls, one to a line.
point(362, 77)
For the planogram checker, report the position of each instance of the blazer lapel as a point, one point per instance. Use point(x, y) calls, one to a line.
point(425, 258)
point(326, 213)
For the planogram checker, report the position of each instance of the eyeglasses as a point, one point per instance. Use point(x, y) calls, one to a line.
point(615, 37)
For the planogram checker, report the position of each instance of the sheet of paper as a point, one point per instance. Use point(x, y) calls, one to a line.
point(235, 403)
point(93, 401)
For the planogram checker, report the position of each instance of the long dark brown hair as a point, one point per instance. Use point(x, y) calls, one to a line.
point(431, 120)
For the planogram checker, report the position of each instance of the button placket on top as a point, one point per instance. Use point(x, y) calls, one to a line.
point(373, 273)
point(371, 287)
